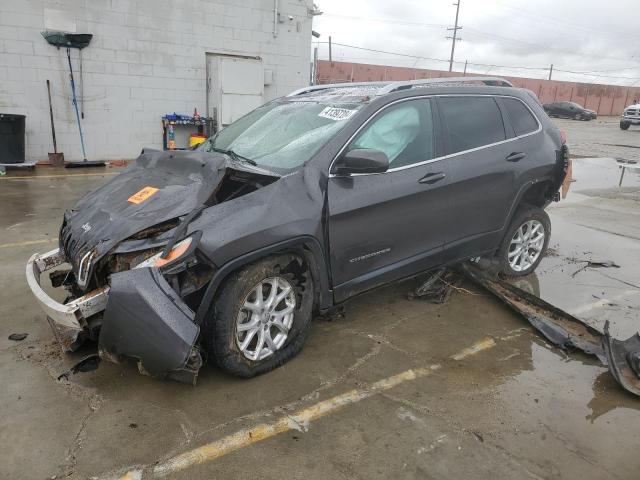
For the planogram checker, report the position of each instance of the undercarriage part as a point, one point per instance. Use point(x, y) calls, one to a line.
point(567, 331)
point(145, 319)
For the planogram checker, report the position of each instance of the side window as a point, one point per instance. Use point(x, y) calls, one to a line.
point(521, 118)
point(404, 132)
point(471, 122)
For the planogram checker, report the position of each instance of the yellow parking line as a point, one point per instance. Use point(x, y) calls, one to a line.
point(296, 421)
point(28, 242)
point(37, 177)
point(479, 346)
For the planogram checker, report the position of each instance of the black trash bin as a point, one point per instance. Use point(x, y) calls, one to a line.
point(11, 138)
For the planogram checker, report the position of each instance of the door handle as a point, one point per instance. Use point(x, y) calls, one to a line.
point(516, 156)
point(432, 177)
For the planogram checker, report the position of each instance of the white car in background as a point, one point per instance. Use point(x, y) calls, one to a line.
point(630, 116)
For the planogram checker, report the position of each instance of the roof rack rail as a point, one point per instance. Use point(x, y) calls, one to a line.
point(389, 86)
point(326, 86)
point(405, 84)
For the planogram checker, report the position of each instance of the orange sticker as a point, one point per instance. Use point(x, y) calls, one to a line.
point(142, 195)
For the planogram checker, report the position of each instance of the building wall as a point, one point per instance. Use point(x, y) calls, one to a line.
point(604, 99)
point(146, 59)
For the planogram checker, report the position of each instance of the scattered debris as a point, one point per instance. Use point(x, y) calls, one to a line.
point(595, 264)
point(439, 286)
point(87, 364)
point(18, 337)
point(133, 425)
point(567, 331)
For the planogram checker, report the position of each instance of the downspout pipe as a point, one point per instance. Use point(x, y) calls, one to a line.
point(275, 18)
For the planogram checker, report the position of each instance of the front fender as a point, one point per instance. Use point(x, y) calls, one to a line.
point(307, 246)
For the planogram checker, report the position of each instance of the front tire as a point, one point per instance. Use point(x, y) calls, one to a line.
point(261, 317)
point(525, 242)
point(577, 116)
point(624, 125)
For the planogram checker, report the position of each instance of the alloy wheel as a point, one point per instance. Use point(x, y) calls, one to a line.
point(265, 318)
point(526, 245)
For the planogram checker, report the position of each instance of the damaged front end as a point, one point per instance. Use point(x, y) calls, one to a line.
point(136, 274)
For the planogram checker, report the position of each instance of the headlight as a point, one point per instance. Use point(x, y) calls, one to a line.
point(178, 250)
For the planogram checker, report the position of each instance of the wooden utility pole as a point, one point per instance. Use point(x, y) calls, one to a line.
point(464, 74)
point(550, 71)
point(330, 58)
point(455, 35)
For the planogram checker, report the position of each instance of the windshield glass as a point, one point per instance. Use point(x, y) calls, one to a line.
point(282, 134)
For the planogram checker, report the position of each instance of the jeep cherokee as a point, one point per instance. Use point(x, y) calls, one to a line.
point(298, 206)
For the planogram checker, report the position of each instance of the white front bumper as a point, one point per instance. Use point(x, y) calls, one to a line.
point(72, 315)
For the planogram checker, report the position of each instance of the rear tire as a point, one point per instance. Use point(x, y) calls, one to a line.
point(624, 125)
point(525, 242)
point(230, 325)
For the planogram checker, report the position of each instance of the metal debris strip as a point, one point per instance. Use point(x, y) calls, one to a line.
point(568, 332)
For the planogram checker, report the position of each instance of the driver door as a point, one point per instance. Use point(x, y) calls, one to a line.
point(390, 225)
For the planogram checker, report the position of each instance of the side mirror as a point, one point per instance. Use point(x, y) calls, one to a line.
point(361, 160)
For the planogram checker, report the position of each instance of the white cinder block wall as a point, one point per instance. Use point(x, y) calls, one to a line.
point(147, 58)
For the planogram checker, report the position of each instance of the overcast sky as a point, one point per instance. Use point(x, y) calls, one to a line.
point(596, 36)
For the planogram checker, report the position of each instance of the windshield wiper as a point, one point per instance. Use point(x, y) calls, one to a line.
point(234, 156)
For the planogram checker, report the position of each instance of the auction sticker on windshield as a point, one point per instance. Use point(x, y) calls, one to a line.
point(141, 195)
point(335, 113)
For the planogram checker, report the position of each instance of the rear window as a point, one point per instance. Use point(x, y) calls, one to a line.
point(521, 118)
point(472, 122)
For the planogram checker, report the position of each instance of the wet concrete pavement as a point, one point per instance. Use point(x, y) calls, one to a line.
point(511, 406)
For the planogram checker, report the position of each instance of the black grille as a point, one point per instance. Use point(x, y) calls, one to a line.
point(73, 246)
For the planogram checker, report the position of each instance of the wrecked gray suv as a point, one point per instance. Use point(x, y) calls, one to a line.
point(303, 203)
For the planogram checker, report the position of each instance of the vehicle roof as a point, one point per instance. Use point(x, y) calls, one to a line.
point(366, 91)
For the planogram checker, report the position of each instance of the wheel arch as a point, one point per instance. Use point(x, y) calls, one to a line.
point(537, 194)
point(307, 247)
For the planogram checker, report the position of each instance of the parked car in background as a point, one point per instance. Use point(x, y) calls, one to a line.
point(630, 116)
point(298, 206)
point(569, 110)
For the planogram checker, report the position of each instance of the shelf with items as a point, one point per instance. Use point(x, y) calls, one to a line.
point(184, 132)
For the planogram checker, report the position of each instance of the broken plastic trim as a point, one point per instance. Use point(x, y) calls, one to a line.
point(623, 358)
point(566, 331)
point(145, 319)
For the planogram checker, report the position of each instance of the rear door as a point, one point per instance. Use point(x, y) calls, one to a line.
point(390, 225)
point(483, 162)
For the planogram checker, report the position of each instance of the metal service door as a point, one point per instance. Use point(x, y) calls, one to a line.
point(235, 86)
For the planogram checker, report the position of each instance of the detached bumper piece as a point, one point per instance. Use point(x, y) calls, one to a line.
point(147, 320)
point(67, 320)
point(566, 331)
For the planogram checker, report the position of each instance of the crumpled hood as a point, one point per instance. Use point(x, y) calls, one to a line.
point(130, 202)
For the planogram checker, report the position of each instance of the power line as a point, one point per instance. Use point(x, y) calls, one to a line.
point(475, 32)
point(477, 64)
